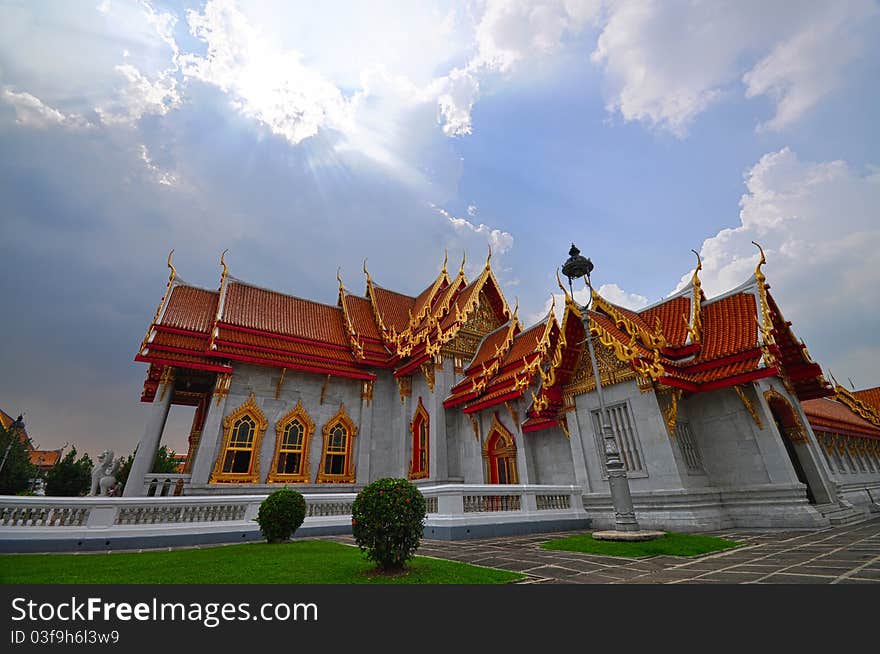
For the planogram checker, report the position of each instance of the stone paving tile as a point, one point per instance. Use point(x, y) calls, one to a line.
point(821, 570)
point(866, 573)
point(847, 554)
point(784, 578)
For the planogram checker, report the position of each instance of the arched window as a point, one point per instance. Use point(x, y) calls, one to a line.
point(239, 458)
point(500, 455)
point(337, 466)
point(419, 428)
point(292, 436)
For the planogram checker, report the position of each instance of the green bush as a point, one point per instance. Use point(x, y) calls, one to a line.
point(387, 519)
point(70, 477)
point(281, 514)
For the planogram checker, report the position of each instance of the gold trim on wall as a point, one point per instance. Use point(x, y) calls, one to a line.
point(251, 409)
point(422, 413)
point(299, 414)
point(348, 474)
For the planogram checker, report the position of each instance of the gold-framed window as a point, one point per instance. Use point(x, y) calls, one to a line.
point(499, 454)
point(238, 461)
point(293, 433)
point(337, 464)
point(420, 430)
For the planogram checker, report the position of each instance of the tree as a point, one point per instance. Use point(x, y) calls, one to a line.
point(18, 471)
point(164, 462)
point(70, 477)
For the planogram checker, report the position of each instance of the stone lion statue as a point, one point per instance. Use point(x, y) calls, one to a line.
point(104, 474)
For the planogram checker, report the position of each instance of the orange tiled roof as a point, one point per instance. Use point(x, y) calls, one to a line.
point(870, 396)
point(672, 324)
point(487, 347)
point(394, 308)
point(825, 414)
point(191, 309)
point(525, 343)
point(361, 313)
point(269, 311)
point(44, 458)
point(730, 326)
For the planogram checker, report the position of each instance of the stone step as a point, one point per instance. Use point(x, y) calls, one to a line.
point(840, 515)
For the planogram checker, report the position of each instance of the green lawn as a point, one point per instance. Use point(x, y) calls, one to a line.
point(672, 544)
point(294, 562)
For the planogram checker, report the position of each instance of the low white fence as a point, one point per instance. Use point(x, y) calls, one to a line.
point(448, 506)
point(162, 484)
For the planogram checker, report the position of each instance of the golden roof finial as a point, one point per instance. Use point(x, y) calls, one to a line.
point(223, 262)
point(516, 308)
point(367, 273)
point(171, 267)
point(463, 260)
point(339, 279)
point(489, 258)
point(699, 262)
point(831, 374)
point(445, 259)
point(568, 298)
point(762, 261)
point(552, 303)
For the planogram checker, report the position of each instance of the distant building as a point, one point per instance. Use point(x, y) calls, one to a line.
point(43, 459)
point(721, 416)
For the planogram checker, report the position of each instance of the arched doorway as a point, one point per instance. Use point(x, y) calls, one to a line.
point(796, 440)
point(501, 456)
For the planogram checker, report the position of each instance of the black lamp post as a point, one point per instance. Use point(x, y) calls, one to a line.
point(624, 515)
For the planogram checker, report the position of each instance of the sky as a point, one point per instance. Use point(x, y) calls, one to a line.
point(304, 137)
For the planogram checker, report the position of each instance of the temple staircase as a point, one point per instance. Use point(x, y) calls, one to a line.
point(841, 514)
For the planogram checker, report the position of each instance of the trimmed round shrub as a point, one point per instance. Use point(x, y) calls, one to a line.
point(281, 514)
point(387, 519)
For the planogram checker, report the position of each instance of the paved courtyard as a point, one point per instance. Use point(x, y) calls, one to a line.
point(846, 554)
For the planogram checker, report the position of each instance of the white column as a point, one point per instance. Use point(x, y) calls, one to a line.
point(212, 432)
point(524, 468)
point(363, 441)
point(404, 446)
point(575, 440)
point(438, 465)
point(148, 446)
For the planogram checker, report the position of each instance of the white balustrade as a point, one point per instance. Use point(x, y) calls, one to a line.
point(34, 518)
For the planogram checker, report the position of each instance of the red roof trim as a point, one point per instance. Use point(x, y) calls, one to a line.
point(183, 364)
point(723, 361)
point(497, 400)
point(760, 373)
point(269, 350)
point(538, 424)
point(179, 332)
point(293, 366)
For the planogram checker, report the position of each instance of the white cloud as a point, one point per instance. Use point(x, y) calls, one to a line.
point(32, 112)
point(161, 176)
point(499, 240)
point(507, 32)
point(140, 96)
point(265, 83)
point(819, 227)
point(666, 62)
point(800, 71)
point(456, 95)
